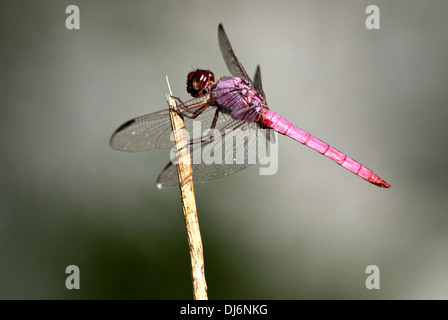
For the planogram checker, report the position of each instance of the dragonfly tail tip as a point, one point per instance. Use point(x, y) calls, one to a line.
point(382, 184)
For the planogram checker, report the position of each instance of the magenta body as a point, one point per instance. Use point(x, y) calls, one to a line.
point(235, 97)
point(274, 121)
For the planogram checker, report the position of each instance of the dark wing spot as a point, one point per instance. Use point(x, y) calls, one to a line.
point(124, 125)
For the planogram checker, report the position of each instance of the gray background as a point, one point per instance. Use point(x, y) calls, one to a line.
point(307, 232)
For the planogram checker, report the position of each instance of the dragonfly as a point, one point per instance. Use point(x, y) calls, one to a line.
point(225, 106)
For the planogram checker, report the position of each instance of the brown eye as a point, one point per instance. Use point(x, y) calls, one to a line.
point(197, 80)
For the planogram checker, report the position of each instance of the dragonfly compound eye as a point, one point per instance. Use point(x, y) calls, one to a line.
point(197, 80)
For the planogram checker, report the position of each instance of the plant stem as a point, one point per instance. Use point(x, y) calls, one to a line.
point(185, 175)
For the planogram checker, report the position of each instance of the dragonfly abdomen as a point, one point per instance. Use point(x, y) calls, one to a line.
point(272, 120)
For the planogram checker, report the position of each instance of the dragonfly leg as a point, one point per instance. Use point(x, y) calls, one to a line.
point(194, 110)
point(208, 137)
point(197, 112)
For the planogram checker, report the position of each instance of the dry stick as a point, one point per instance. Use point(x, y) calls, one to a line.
point(184, 172)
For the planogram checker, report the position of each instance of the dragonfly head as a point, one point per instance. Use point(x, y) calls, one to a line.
point(197, 81)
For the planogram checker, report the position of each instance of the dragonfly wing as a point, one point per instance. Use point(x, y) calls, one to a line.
point(152, 131)
point(235, 146)
point(168, 177)
point(144, 133)
point(258, 85)
point(233, 64)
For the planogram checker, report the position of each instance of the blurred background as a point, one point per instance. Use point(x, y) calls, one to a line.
point(307, 232)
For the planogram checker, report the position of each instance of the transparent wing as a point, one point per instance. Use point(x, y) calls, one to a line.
point(233, 64)
point(234, 147)
point(152, 131)
point(258, 85)
point(259, 88)
point(143, 133)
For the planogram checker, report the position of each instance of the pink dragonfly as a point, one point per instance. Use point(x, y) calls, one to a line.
point(230, 103)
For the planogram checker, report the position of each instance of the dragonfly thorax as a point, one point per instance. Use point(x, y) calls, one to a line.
point(236, 97)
